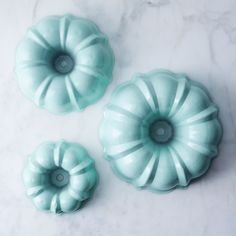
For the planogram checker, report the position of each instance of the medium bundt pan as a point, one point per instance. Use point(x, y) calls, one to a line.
point(64, 63)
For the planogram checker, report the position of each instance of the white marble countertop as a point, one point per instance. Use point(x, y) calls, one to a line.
point(197, 37)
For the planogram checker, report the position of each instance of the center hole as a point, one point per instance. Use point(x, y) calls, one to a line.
point(161, 131)
point(59, 177)
point(63, 63)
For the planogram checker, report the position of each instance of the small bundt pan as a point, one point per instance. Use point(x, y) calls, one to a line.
point(160, 131)
point(59, 177)
point(64, 63)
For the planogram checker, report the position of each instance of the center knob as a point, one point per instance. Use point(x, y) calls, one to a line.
point(64, 64)
point(161, 131)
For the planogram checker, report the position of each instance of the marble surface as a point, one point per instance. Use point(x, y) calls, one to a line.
point(197, 37)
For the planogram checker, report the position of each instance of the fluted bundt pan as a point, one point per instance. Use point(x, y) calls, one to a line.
point(64, 63)
point(60, 176)
point(160, 130)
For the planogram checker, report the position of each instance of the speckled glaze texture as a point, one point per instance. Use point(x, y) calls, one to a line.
point(132, 145)
point(59, 177)
point(64, 63)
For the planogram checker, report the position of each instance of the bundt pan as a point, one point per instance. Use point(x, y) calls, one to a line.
point(64, 63)
point(160, 131)
point(59, 177)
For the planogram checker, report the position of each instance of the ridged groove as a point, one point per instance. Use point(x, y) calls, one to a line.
point(117, 148)
point(55, 204)
point(72, 92)
point(30, 64)
point(42, 90)
point(88, 41)
point(58, 154)
point(209, 150)
point(152, 93)
point(79, 195)
point(93, 71)
point(149, 172)
point(36, 167)
point(35, 36)
point(147, 93)
point(35, 191)
point(180, 167)
point(205, 149)
point(64, 27)
point(126, 152)
point(123, 112)
point(82, 167)
point(181, 94)
point(202, 116)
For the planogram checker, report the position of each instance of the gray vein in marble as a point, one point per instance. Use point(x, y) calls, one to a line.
point(35, 9)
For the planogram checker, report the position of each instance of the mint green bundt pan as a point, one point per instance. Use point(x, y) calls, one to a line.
point(64, 63)
point(160, 131)
point(59, 177)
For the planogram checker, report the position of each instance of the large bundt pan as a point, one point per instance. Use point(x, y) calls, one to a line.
point(160, 130)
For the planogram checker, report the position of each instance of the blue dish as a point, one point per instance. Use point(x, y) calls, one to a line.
point(64, 63)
